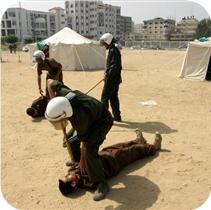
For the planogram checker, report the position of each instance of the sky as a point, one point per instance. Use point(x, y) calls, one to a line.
point(139, 10)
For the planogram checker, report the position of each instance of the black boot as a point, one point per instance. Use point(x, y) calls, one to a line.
point(101, 191)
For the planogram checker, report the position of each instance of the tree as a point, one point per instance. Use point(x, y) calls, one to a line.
point(203, 29)
point(2, 40)
point(28, 40)
point(11, 39)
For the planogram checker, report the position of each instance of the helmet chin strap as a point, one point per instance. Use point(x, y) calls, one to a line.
point(69, 149)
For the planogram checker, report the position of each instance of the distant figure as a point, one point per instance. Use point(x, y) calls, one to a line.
point(46, 50)
point(10, 48)
point(14, 48)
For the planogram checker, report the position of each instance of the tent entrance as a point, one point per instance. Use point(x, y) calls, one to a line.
point(208, 75)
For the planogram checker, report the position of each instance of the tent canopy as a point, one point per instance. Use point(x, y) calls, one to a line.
point(195, 64)
point(68, 36)
point(74, 51)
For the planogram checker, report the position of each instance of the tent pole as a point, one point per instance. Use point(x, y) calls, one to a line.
point(79, 58)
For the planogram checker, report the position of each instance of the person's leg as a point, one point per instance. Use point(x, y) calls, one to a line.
point(105, 96)
point(126, 153)
point(114, 100)
point(75, 147)
point(93, 162)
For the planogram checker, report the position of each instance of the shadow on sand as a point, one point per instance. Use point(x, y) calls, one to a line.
point(38, 119)
point(138, 192)
point(148, 127)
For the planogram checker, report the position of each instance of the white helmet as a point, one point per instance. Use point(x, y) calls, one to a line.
point(107, 38)
point(39, 54)
point(58, 108)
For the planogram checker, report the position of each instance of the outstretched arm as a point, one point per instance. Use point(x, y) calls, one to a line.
point(50, 90)
point(39, 83)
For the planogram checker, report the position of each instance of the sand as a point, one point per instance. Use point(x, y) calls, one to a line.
point(176, 178)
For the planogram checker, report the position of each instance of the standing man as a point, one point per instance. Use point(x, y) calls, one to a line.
point(53, 68)
point(91, 120)
point(112, 75)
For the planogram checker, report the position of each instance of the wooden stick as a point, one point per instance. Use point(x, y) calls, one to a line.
point(69, 149)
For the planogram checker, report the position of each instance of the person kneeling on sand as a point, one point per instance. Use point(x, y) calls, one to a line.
point(114, 158)
point(91, 120)
point(38, 107)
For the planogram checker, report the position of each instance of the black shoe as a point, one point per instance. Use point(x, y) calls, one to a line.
point(101, 191)
point(118, 119)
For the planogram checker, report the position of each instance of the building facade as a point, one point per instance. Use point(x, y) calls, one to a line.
point(93, 18)
point(185, 29)
point(158, 29)
point(32, 24)
point(126, 27)
point(89, 18)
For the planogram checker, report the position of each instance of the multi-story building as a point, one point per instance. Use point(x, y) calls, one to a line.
point(185, 29)
point(158, 29)
point(139, 28)
point(28, 23)
point(60, 18)
point(126, 27)
point(134, 36)
point(89, 18)
point(93, 18)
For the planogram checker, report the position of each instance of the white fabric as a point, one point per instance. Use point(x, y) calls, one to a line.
point(74, 51)
point(58, 108)
point(196, 61)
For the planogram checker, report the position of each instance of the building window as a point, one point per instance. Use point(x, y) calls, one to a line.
point(14, 23)
point(11, 31)
point(11, 14)
point(3, 32)
point(9, 25)
point(2, 24)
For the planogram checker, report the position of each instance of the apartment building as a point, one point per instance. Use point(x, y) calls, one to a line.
point(185, 29)
point(93, 18)
point(158, 29)
point(25, 23)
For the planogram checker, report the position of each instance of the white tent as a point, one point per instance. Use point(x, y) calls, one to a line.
point(74, 51)
point(195, 64)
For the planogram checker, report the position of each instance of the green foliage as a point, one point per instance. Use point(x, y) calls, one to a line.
point(204, 28)
point(11, 39)
point(28, 40)
point(2, 40)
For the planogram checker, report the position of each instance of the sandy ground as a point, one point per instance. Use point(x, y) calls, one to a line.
point(177, 178)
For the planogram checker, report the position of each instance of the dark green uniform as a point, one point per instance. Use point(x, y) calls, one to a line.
point(92, 121)
point(52, 67)
point(111, 86)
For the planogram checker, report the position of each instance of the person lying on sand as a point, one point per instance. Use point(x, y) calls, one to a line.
point(114, 158)
point(37, 109)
